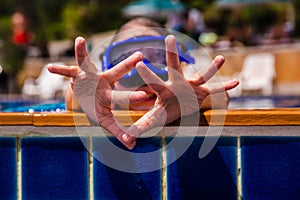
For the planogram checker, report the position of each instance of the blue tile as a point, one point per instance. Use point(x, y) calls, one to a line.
point(123, 174)
point(271, 167)
point(54, 168)
point(211, 177)
point(8, 168)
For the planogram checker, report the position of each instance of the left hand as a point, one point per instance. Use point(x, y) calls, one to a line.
point(178, 96)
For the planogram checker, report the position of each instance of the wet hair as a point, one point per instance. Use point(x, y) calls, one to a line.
point(143, 22)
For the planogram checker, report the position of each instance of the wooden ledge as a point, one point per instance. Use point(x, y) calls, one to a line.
point(234, 117)
point(15, 118)
point(254, 117)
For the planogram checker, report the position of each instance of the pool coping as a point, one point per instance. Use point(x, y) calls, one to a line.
point(216, 117)
point(168, 131)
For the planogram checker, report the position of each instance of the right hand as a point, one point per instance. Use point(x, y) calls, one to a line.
point(94, 92)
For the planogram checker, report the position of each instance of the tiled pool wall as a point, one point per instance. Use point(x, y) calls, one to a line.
point(247, 162)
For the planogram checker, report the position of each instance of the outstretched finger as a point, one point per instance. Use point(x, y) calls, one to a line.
point(82, 57)
point(202, 77)
point(64, 70)
point(105, 118)
point(122, 68)
point(126, 139)
point(127, 97)
point(172, 58)
point(153, 118)
point(222, 87)
point(150, 78)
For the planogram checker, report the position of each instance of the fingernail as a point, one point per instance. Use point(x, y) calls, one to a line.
point(138, 54)
point(53, 64)
point(219, 59)
point(125, 137)
point(49, 66)
point(79, 40)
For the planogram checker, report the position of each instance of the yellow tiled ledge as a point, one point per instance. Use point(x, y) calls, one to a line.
point(15, 118)
point(60, 119)
point(262, 117)
point(235, 117)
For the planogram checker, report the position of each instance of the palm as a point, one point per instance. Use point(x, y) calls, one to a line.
point(178, 96)
point(95, 93)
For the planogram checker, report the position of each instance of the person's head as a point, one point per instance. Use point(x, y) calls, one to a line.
point(137, 27)
point(144, 35)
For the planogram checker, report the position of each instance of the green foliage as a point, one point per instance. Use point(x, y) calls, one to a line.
point(201, 5)
point(53, 20)
point(45, 19)
point(5, 27)
point(217, 19)
point(296, 4)
point(262, 17)
point(71, 18)
point(87, 19)
point(11, 57)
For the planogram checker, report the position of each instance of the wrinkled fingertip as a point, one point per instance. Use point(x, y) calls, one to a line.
point(129, 141)
point(138, 55)
point(140, 66)
point(235, 82)
point(50, 67)
point(232, 84)
point(79, 39)
point(143, 95)
point(219, 59)
point(138, 96)
point(131, 146)
point(170, 38)
point(79, 42)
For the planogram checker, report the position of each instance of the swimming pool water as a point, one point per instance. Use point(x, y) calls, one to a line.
point(247, 102)
point(32, 106)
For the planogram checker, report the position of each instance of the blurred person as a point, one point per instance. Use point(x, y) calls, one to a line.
point(194, 23)
point(156, 88)
point(13, 52)
point(190, 23)
point(280, 33)
point(176, 21)
point(21, 35)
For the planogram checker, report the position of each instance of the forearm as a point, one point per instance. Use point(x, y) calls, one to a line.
point(71, 101)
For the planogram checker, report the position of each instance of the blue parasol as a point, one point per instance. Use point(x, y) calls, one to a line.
point(232, 3)
point(152, 8)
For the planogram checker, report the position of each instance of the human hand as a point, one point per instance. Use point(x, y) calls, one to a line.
point(95, 93)
point(178, 96)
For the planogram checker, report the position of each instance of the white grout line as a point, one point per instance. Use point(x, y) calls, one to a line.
point(239, 169)
point(19, 169)
point(91, 174)
point(90, 169)
point(164, 169)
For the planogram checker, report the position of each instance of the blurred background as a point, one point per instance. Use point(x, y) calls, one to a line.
point(247, 32)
